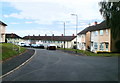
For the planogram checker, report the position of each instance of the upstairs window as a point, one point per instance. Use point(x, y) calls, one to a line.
point(96, 33)
point(101, 32)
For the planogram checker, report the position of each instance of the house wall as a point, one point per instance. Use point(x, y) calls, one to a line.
point(2, 33)
point(82, 41)
point(99, 42)
point(68, 44)
point(14, 40)
point(87, 40)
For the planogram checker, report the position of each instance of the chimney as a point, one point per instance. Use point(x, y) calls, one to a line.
point(12, 35)
point(52, 34)
point(45, 34)
point(73, 35)
point(28, 36)
point(95, 22)
point(33, 35)
point(39, 34)
point(62, 35)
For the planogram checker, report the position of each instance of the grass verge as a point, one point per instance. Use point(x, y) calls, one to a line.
point(90, 53)
point(9, 50)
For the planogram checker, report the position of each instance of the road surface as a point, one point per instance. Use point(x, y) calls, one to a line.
point(48, 65)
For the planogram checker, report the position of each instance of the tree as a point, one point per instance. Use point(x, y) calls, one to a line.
point(111, 13)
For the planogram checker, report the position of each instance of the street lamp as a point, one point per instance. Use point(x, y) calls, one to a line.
point(76, 27)
point(64, 35)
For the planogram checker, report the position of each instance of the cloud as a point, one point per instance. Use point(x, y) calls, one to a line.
point(51, 14)
point(14, 23)
point(47, 11)
point(15, 15)
point(28, 22)
point(35, 32)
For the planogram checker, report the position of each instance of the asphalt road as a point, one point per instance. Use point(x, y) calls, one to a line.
point(49, 65)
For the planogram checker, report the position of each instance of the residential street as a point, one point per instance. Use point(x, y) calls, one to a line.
point(48, 65)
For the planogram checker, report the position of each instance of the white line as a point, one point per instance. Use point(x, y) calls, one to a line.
point(19, 65)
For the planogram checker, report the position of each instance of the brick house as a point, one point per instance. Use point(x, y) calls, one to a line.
point(98, 37)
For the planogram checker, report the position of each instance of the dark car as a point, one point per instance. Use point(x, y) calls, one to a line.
point(41, 46)
point(51, 47)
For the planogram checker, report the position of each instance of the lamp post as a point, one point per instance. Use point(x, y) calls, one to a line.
point(76, 27)
point(64, 35)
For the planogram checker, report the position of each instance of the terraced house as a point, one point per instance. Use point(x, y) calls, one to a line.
point(57, 40)
point(2, 31)
point(13, 38)
point(98, 38)
point(84, 39)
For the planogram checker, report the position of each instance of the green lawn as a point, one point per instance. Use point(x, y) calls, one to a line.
point(90, 53)
point(9, 50)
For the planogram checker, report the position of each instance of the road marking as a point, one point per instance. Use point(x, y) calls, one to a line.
point(19, 66)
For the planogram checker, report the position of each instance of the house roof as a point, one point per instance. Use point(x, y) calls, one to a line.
point(12, 35)
point(2, 23)
point(54, 38)
point(100, 26)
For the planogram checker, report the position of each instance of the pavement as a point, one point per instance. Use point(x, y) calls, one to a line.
point(49, 65)
point(13, 63)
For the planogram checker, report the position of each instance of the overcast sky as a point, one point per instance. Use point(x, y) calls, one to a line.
point(28, 17)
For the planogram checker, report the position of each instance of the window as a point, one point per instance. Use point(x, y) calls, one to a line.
point(48, 41)
point(74, 42)
point(101, 32)
point(106, 31)
point(101, 46)
point(96, 33)
point(95, 46)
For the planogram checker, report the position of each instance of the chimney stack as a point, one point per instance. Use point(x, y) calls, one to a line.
point(62, 35)
point(95, 22)
point(45, 34)
point(52, 34)
point(73, 35)
point(39, 34)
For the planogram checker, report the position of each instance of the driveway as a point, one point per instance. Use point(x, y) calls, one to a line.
point(47, 65)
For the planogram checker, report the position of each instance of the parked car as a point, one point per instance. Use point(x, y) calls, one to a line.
point(23, 44)
point(41, 46)
point(51, 47)
point(26, 45)
point(34, 45)
point(37, 46)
